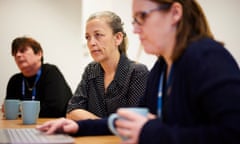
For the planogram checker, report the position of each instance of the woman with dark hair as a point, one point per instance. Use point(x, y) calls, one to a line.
point(37, 81)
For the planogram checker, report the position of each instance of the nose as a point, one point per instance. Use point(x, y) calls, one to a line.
point(136, 28)
point(91, 42)
point(18, 54)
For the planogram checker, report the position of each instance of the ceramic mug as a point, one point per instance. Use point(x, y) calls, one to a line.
point(114, 116)
point(11, 108)
point(30, 111)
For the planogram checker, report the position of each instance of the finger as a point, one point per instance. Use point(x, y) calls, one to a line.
point(130, 115)
point(125, 124)
point(53, 128)
point(151, 116)
point(44, 126)
point(129, 138)
point(41, 127)
point(126, 133)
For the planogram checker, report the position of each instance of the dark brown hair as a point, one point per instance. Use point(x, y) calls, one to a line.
point(22, 42)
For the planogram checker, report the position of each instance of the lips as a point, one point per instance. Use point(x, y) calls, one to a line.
point(95, 51)
point(20, 61)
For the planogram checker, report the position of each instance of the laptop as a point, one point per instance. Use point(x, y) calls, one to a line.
point(32, 136)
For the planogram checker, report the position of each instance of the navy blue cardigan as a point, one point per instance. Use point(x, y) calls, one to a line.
point(201, 105)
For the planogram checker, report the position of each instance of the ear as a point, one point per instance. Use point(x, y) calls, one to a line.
point(118, 37)
point(177, 12)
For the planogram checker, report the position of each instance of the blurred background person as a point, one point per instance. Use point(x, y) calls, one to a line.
point(194, 87)
point(36, 80)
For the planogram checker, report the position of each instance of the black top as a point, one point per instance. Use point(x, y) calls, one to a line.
point(125, 89)
point(52, 90)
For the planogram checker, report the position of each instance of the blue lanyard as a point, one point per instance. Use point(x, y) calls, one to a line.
point(160, 91)
point(160, 95)
point(34, 85)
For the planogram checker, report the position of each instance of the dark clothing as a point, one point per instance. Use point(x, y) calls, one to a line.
point(125, 89)
point(201, 104)
point(52, 91)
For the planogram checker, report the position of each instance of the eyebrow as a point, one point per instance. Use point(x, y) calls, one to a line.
point(96, 31)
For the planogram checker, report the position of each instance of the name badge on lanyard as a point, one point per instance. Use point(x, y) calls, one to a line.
point(34, 85)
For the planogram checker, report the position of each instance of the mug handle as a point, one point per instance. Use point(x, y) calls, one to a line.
point(111, 121)
point(19, 109)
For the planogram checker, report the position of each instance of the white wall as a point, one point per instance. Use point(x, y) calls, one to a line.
point(56, 24)
point(59, 25)
point(224, 20)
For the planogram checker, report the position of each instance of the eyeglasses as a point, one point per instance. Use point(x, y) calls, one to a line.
point(141, 16)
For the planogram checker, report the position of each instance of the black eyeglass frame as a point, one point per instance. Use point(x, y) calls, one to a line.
point(140, 17)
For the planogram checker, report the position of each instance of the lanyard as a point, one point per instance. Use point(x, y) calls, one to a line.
point(160, 91)
point(34, 85)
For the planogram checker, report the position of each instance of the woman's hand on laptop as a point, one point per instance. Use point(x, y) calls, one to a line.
point(60, 125)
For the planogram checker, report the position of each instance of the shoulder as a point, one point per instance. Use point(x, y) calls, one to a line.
point(93, 67)
point(50, 70)
point(15, 77)
point(133, 65)
point(92, 70)
point(206, 50)
point(138, 67)
point(208, 57)
point(205, 47)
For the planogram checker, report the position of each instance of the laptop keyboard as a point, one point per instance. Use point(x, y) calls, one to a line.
point(31, 135)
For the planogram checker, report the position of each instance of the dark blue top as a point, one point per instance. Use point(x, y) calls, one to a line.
point(201, 105)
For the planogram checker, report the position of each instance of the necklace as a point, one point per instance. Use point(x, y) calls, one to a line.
point(33, 88)
point(28, 86)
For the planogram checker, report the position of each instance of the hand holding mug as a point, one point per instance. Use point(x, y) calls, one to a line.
point(127, 123)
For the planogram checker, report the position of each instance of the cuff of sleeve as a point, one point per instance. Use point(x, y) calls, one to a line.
point(92, 127)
